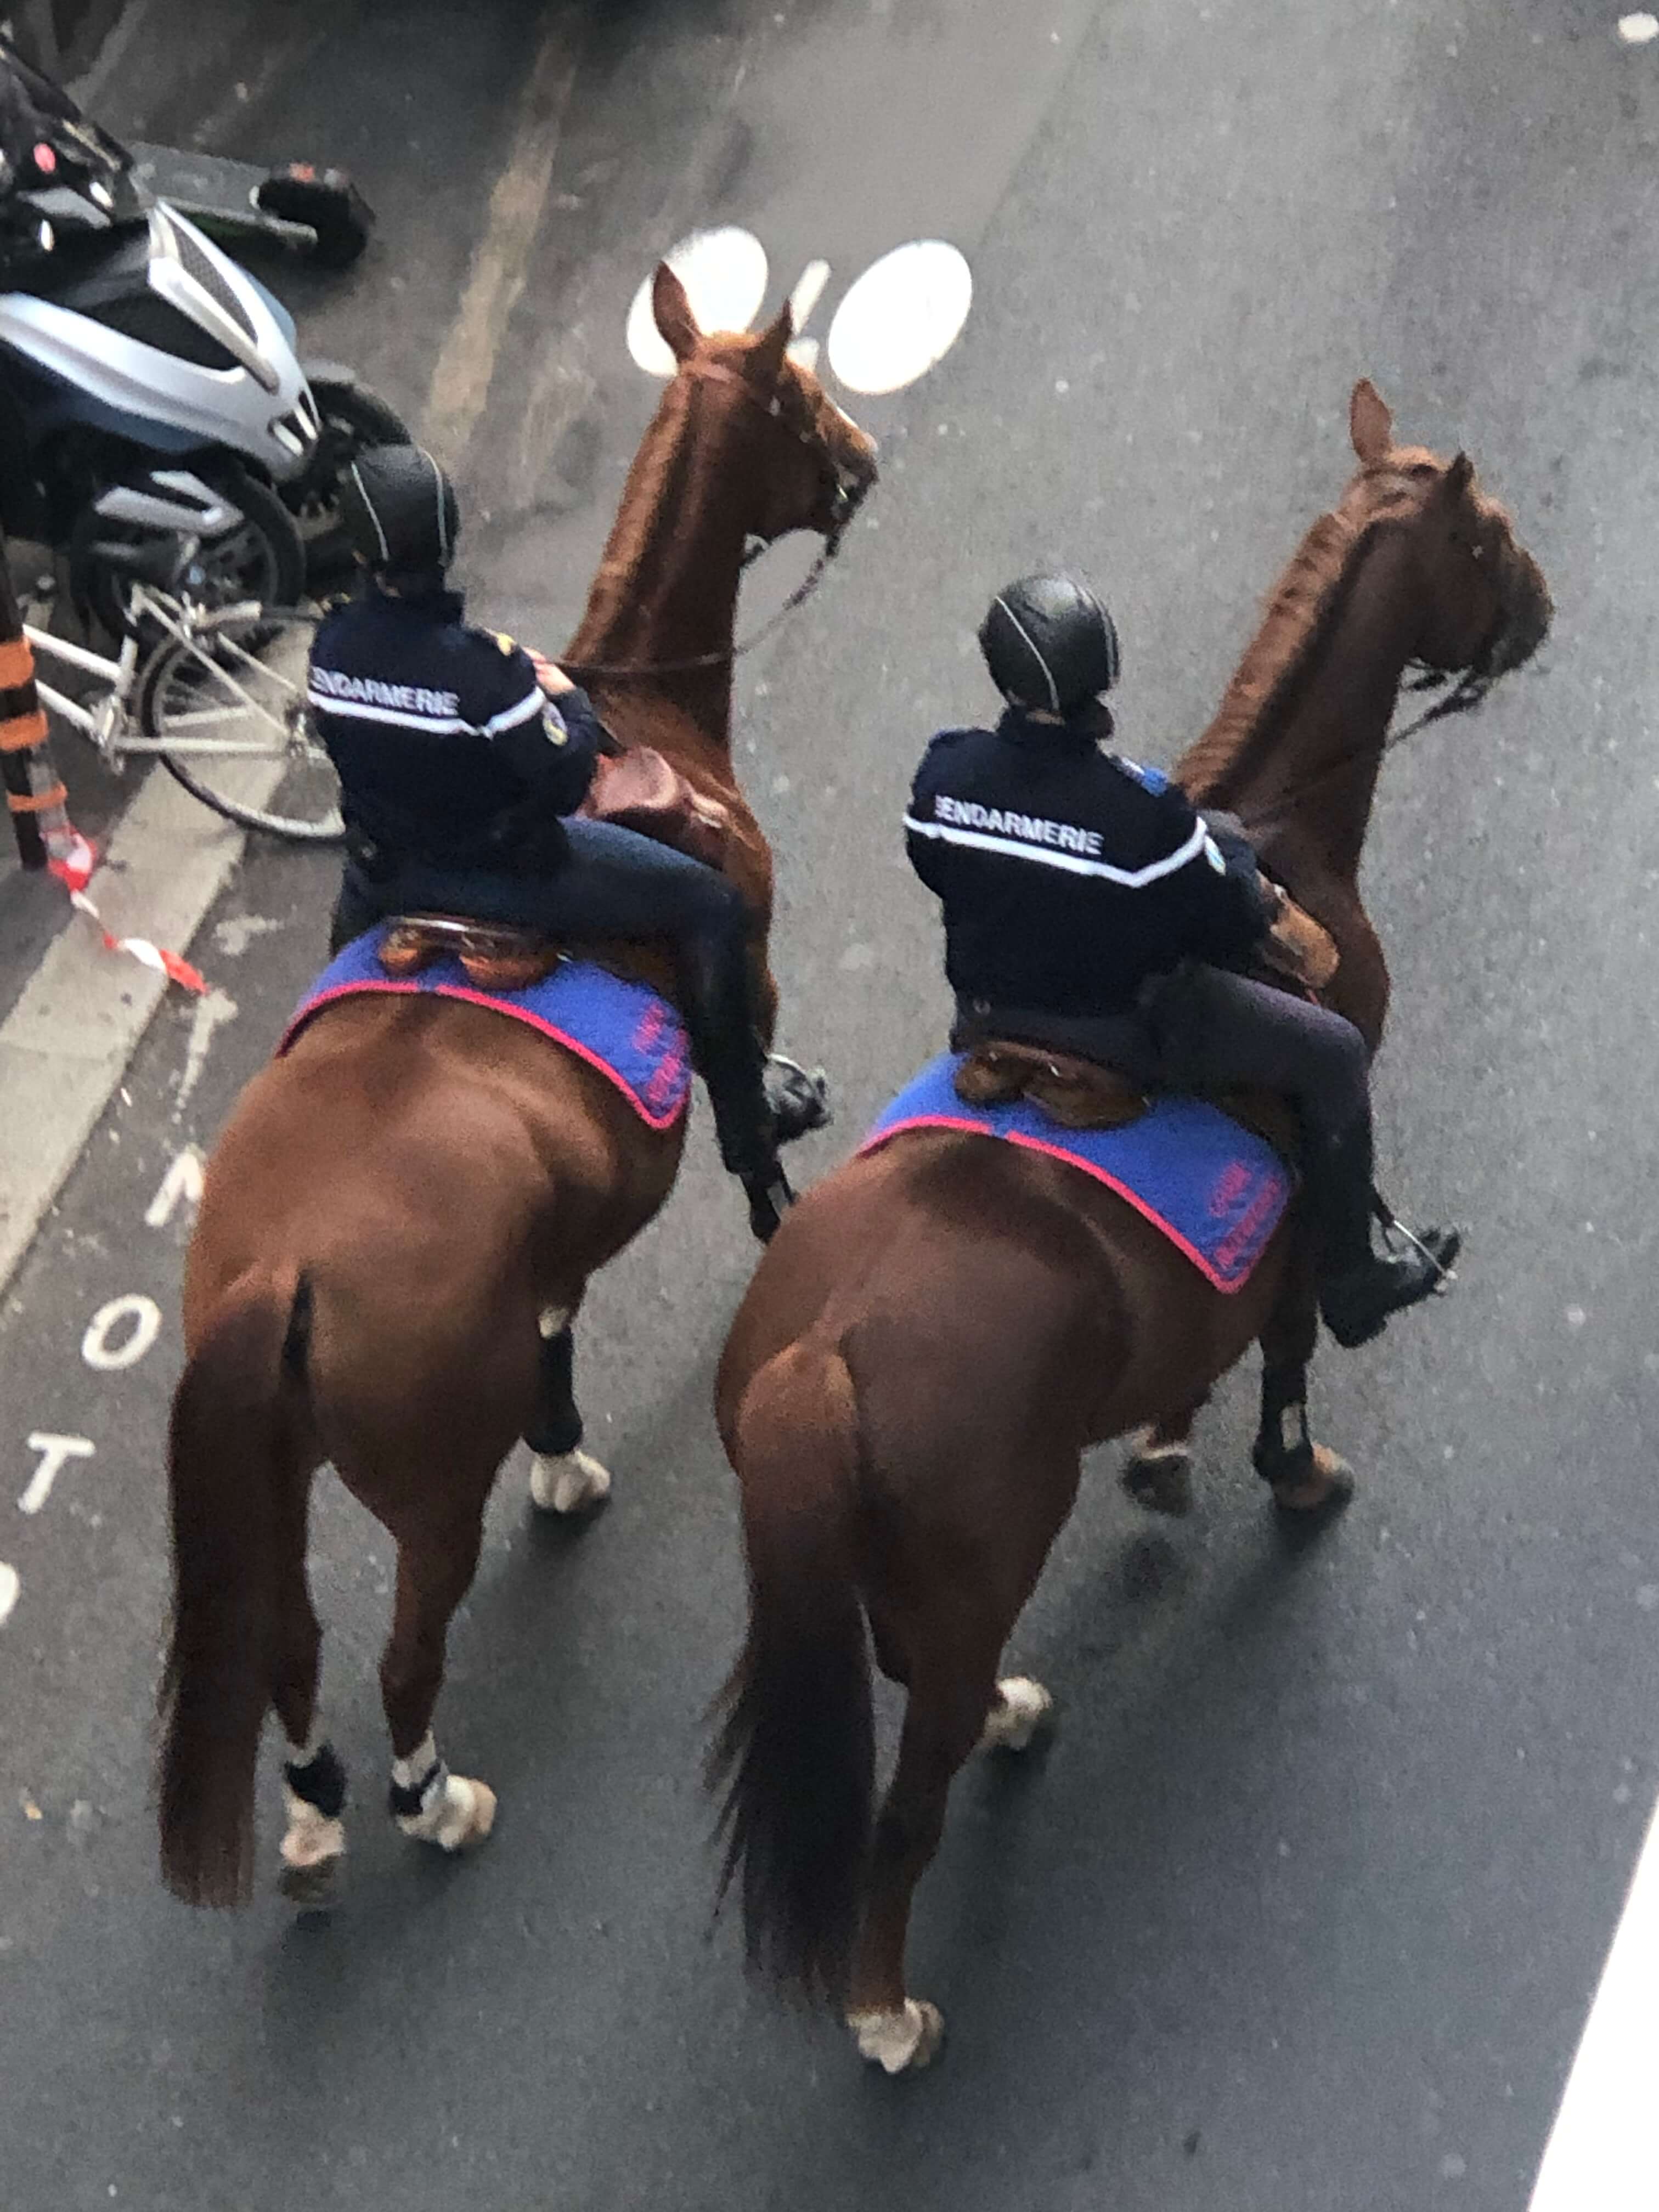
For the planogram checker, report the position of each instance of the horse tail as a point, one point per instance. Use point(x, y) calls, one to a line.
point(795, 1751)
point(224, 1462)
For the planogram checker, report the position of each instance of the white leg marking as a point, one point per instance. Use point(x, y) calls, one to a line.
point(1021, 1708)
point(455, 1813)
point(567, 1482)
point(899, 2042)
point(312, 1841)
point(552, 1319)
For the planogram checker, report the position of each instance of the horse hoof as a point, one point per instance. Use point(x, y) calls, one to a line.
point(1159, 1477)
point(901, 2042)
point(567, 1482)
point(461, 1818)
point(1021, 1709)
point(313, 1846)
point(1319, 1492)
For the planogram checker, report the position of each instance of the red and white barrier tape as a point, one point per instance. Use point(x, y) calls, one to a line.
point(73, 867)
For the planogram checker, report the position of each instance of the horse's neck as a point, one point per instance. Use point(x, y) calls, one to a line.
point(1316, 781)
point(666, 591)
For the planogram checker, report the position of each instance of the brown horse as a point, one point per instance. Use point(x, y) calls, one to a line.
point(943, 1327)
point(402, 1215)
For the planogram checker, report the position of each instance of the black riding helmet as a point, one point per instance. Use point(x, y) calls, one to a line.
point(400, 512)
point(1050, 643)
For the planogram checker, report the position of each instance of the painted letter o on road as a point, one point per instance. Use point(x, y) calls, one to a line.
point(145, 1318)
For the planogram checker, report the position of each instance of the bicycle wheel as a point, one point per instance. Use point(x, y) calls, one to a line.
point(228, 703)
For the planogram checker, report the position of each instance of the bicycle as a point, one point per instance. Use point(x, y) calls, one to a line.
point(218, 695)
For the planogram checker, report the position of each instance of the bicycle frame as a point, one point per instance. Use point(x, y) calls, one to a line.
point(107, 724)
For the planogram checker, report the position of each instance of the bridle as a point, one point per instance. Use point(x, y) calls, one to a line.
point(1465, 692)
point(847, 495)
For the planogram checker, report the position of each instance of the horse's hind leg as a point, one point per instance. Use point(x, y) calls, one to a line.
point(955, 1704)
point(313, 1780)
point(1158, 1472)
point(563, 1478)
point(435, 1568)
point(1306, 1477)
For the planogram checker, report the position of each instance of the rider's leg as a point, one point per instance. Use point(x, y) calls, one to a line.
point(357, 908)
point(1216, 1030)
point(616, 884)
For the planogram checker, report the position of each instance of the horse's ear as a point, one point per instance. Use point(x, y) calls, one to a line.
point(672, 306)
point(1454, 484)
point(765, 362)
point(1371, 425)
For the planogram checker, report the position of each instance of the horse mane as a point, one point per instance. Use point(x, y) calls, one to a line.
point(655, 486)
point(1301, 610)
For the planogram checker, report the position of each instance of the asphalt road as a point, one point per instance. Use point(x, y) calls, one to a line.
point(1303, 1908)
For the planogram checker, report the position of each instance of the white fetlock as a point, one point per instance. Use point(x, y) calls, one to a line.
point(1158, 1476)
point(900, 2042)
point(460, 1813)
point(313, 1846)
point(567, 1482)
point(1021, 1708)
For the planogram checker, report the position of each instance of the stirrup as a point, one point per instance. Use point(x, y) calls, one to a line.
point(799, 1098)
point(1439, 1247)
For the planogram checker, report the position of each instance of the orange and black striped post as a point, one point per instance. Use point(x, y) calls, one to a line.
point(35, 797)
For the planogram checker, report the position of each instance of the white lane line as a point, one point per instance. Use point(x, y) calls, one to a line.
point(9, 1586)
point(461, 379)
point(1603, 2153)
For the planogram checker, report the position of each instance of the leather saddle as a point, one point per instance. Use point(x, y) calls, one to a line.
point(638, 789)
point(1087, 1094)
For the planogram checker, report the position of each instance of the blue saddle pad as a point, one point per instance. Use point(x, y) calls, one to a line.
point(626, 1030)
point(1216, 1190)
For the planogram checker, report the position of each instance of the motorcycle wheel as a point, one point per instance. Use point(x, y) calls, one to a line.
point(354, 418)
point(263, 558)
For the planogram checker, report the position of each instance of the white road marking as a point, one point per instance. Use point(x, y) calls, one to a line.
point(9, 1586)
point(724, 273)
point(467, 365)
point(183, 1180)
point(210, 1013)
point(237, 932)
point(56, 1452)
point(1637, 30)
point(145, 1316)
point(809, 291)
point(1603, 2152)
point(901, 317)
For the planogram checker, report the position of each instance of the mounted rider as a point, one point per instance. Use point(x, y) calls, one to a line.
point(461, 759)
point(1090, 908)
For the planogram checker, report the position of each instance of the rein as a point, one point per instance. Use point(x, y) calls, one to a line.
point(848, 498)
point(1465, 693)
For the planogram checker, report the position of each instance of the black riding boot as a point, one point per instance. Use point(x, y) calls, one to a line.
point(1359, 1288)
point(726, 1053)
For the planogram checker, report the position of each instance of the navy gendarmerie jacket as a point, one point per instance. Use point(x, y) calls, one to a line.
point(1069, 876)
point(448, 750)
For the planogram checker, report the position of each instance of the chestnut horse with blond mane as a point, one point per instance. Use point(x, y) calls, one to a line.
point(943, 1327)
point(408, 1204)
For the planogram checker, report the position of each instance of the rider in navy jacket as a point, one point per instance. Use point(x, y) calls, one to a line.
point(1070, 876)
point(461, 757)
point(1089, 907)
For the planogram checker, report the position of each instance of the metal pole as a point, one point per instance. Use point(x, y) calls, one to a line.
point(35, 797)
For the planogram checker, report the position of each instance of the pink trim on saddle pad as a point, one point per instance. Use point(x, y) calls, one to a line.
point(676, 1071)
point(1206, 1267)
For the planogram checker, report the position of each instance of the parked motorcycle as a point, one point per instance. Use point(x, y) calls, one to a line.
point(150, 388)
